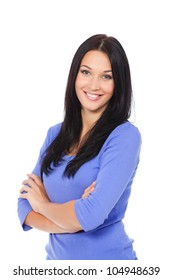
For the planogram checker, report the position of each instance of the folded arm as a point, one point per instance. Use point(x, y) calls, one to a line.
point(48, 216)
point(38, 221)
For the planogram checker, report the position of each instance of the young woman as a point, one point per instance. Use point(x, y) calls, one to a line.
point(80, 187)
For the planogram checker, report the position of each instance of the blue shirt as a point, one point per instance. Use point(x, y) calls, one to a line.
point(101, 213)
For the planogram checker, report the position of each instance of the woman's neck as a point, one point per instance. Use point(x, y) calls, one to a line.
point(88, 120)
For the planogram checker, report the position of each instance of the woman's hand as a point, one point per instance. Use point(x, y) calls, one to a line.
point(34, 191)
point(89, 190)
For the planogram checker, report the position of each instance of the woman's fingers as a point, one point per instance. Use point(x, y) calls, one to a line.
point(33, 181)
point(35, 178)
point(24, 191)
point(90, 187)
point(89, 190)
point(29, 182)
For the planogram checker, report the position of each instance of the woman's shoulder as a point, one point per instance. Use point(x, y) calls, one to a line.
point(128, 129)
point(55, 128)
point(124, 133)
point(53, 131)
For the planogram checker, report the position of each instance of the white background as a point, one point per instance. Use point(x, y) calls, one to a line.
point(38, 41)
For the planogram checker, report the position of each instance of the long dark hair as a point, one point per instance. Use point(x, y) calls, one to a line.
point(117, 112)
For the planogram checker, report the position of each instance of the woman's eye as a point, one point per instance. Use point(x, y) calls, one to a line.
point(107, 77)
point(85, 72)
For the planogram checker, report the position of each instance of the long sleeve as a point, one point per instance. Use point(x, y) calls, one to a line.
point(23, 207)
point(118, 163)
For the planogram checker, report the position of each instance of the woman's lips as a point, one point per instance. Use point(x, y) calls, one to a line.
point(92, 96)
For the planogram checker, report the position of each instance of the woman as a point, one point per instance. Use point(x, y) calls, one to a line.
point(79, 189)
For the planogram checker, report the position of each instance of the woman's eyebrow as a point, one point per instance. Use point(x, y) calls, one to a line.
point(86, 66)
point(106, 71)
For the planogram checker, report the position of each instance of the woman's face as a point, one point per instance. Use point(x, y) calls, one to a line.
point(94, 83)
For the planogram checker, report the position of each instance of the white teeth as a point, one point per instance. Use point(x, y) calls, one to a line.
point(92, 96)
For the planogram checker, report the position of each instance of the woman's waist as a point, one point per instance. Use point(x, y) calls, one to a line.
point(103, 241)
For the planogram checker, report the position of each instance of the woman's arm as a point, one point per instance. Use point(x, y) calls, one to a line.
point(62, 215)
point(48, 216)
point(38, 221)
point(118, 164)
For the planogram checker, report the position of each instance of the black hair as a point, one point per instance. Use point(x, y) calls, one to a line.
point(117, 112)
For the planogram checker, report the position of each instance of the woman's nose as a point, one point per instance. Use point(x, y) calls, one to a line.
point(94, 84)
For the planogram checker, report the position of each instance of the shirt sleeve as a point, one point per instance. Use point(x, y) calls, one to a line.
point(118, 164)
point(24, 207)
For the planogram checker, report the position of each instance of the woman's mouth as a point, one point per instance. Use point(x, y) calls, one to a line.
point(92, 96)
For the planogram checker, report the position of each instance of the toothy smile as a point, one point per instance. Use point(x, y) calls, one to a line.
point(92, 96)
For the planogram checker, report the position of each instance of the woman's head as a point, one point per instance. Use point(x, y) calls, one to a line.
point(120, 103)
point(116, 107)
